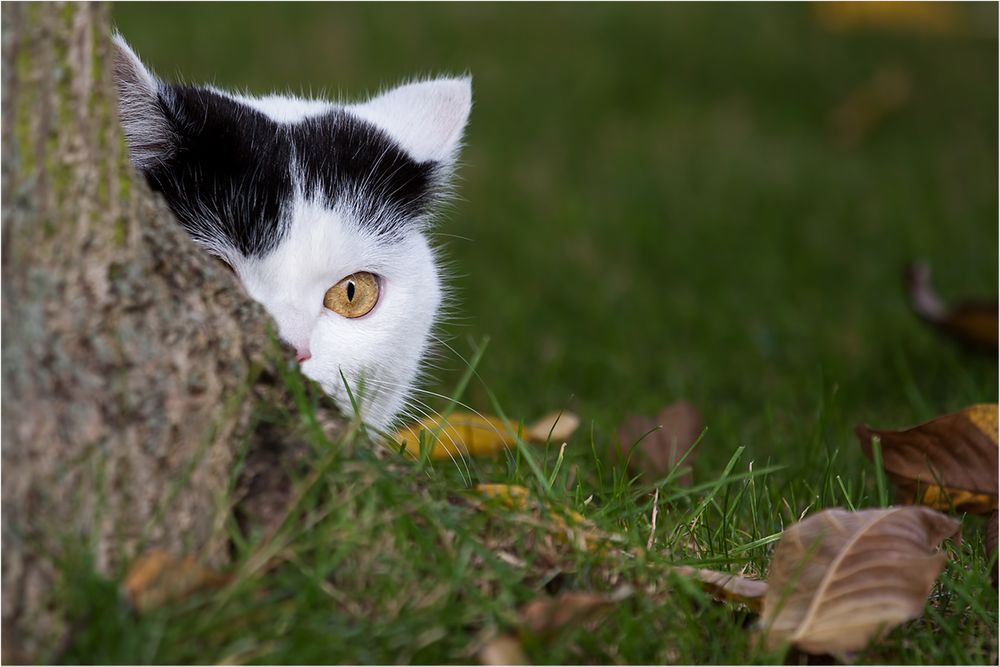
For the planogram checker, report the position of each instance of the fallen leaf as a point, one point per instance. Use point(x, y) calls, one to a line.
point(840, 579)
point(519, 498)
point(547, 615)
point(944, 498)
point(973, 323)
point(920, 17)
point(728, 587)
point(503, 650)
point(511, 495)
point(469, 434)
point(567, 524)
point(950, 461)
point(553, 427)
point(662, 442)
point(868, 105)
point(157, 577)
point(459, 434)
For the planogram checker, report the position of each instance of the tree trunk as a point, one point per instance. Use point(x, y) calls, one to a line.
point(128, 353)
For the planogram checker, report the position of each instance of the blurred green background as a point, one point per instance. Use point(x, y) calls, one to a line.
point(672, 201)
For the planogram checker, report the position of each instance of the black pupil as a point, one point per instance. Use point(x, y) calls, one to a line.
point(350, 290)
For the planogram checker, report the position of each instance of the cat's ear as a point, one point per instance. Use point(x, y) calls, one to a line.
point(149, 133)
point(427, 118)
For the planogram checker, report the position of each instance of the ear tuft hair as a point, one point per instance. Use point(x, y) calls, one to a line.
point(148, 131)
point(427, 118)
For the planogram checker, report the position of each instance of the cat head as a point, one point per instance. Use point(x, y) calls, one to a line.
point(320, 209)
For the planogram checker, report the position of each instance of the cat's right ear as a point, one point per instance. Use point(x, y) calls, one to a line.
point(149, 133)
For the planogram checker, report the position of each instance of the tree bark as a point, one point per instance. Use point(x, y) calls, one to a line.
point(128, 353)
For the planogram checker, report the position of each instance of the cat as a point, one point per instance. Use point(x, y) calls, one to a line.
point(321, 209)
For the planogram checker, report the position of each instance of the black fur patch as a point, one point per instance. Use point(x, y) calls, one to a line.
point(229, 180)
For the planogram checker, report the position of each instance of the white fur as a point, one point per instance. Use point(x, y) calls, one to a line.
point(426, 117)
point(282, 108)
point(141, 121)
point(380, 353)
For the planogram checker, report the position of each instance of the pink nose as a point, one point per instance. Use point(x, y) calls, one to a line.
point(301, 356)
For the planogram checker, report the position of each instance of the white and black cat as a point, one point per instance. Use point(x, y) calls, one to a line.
point(320, 208)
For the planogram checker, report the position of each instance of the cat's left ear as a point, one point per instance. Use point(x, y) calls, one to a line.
point(427, 118)
point(149, 131)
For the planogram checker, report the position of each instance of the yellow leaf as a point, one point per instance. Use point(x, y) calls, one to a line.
point(564, 522)
point(937, 18)
point(460, 434)
point(942, 498)
point(511, 495)
point(156, 578)
point(468, 434)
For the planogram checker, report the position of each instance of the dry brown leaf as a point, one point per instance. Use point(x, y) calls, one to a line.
point(973, 323)
point(840, 579)
point(950, 461)
point(550, 614)
point(553, 427)
point(728, 587)
point(503, 650)
point(665, 440)
point(157, 577)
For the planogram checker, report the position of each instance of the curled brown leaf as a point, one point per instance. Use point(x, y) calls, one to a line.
point(973, 323)
point(547, 615)
point(655, 446)
point(947, 462)
point(840, 579)
point(728, 587)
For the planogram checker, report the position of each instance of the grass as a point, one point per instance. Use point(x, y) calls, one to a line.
point(654, 206)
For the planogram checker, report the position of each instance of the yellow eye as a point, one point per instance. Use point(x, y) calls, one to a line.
point(353, 296)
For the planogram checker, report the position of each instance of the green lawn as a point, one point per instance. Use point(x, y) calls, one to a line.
point(655, 205)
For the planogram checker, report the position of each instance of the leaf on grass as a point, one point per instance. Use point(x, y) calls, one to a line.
point(950, 461)
point(460, 434)
point(561, 425)
point(157, 577)
point(662, 441)
point(519, 498)
point(944, 498)
point(548, 615)
point(503, 650)
point(936, 18)
point(973, 323)
point(728, 587)
point(871, 103)
point(566, 524)
point(840, 579)
point(468, 434)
